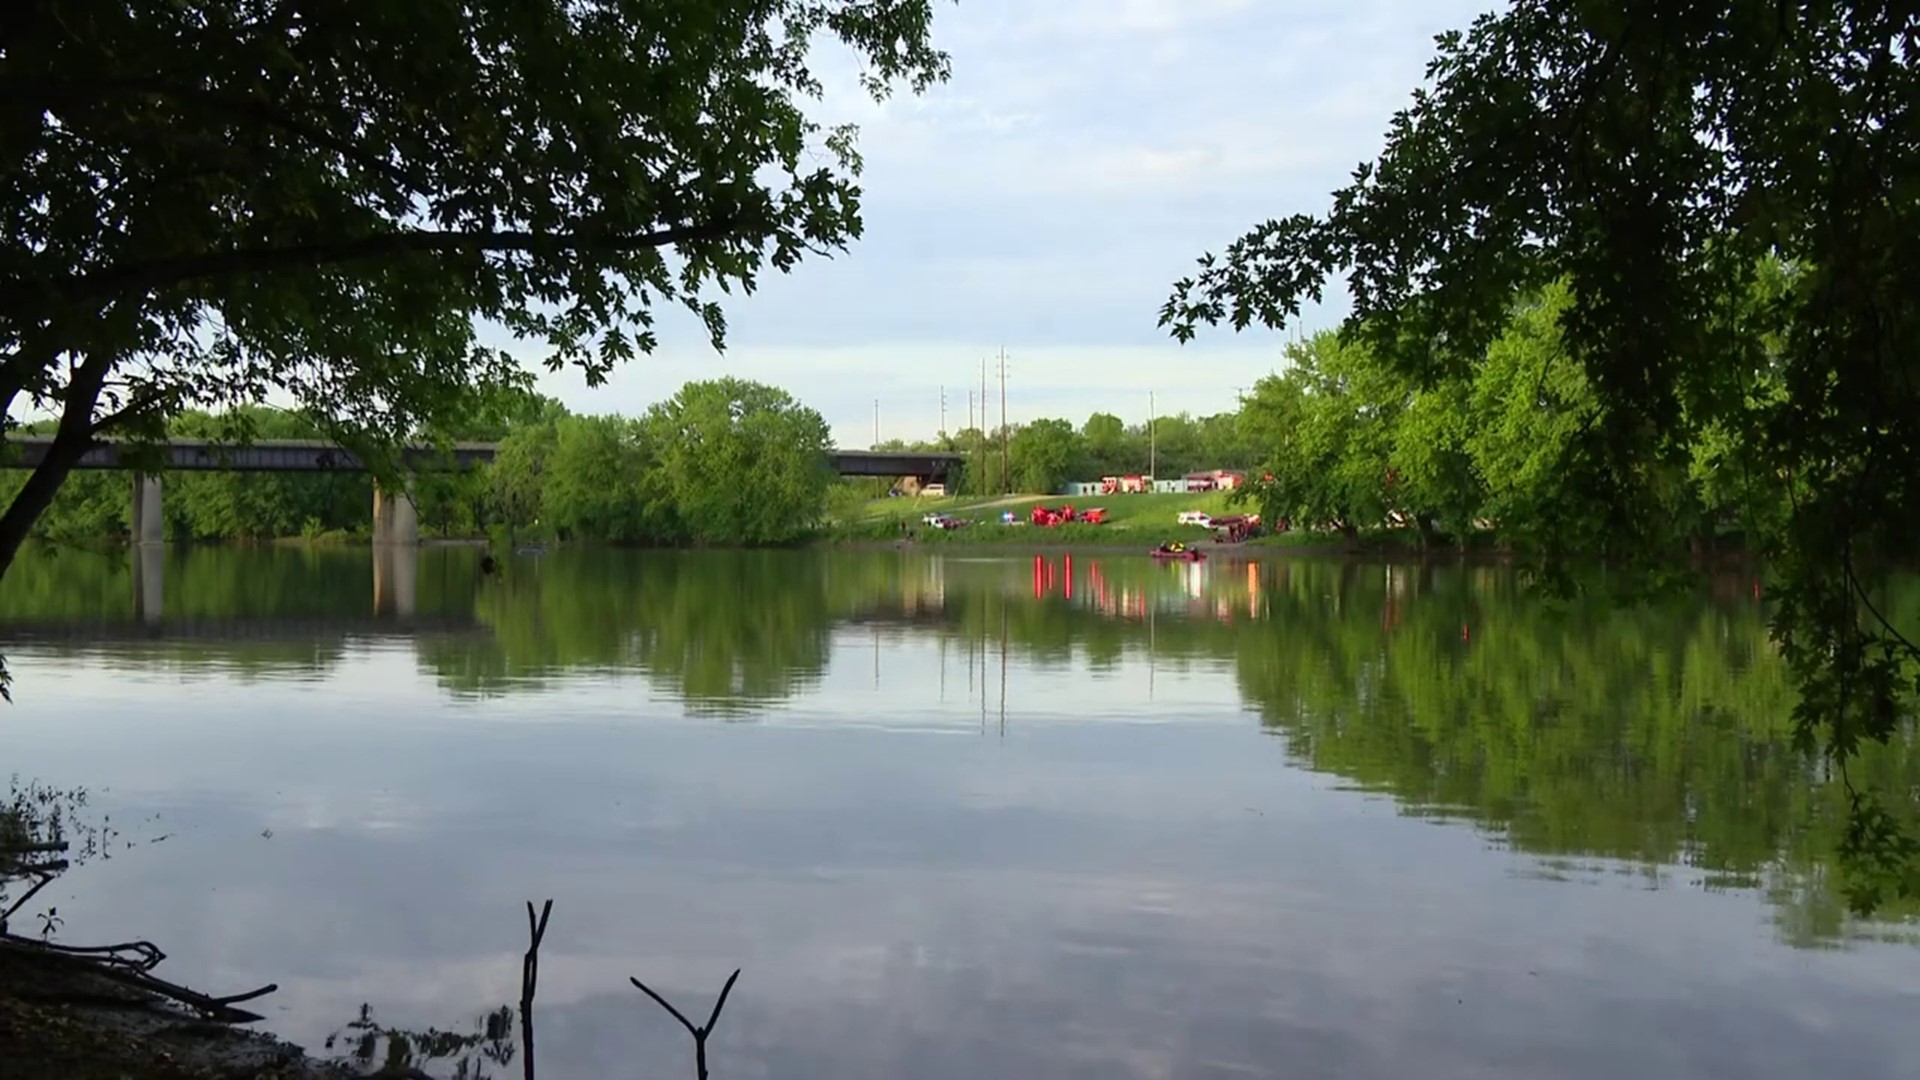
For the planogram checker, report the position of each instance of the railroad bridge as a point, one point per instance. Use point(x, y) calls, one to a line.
point(395, 518)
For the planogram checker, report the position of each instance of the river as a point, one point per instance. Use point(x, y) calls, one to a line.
point(962, 816)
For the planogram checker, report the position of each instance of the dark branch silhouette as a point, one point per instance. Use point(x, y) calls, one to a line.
point(699, 1033)
point(162, 273)
point(530, 981)
point(220, 1009)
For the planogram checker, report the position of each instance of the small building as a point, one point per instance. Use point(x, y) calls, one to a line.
point(1213, 480)
point(1125, 485)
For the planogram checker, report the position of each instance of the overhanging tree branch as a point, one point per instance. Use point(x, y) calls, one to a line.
point(52, 94)
point(161, 273)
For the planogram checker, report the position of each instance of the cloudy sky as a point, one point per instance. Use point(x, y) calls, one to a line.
point(1083, 154)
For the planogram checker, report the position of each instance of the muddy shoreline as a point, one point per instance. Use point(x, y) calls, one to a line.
point(67, 1018)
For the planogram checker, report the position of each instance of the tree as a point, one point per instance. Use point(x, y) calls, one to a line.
point(519, 472)
point(1530, 403)
point(598, 485)
point(741, 463)
point(1435, 479)
point(213, 200)
point(1656, 159)
point(1221, 445)
point(1327, 444)
point(1110, 448)
point(1044, 455)
point(1176, 444)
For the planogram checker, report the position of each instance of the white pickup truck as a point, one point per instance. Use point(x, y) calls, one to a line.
point(1196, 517)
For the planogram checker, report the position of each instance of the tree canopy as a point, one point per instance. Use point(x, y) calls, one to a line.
point(723, 461)
point(213, 201)
point(1726, 191)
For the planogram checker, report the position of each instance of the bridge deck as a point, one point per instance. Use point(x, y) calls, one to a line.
point(261, 455)
point(319, 455)
point(893, 463)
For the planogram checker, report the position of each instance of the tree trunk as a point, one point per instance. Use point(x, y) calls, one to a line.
point(74, 437)
point(38, 492)
point(1352, 533)
point(1429, 536)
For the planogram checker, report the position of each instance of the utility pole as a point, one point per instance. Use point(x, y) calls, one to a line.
point(1006, 483)
point(983, 427)
point(876, 423)
point(971, 482)
point(943, 413)
point(1153, 445)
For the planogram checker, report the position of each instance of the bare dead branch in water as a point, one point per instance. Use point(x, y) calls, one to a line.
point(218, 1009)
point(235, 999)
point(699, 1033)
point(132, 955)
point(51, 847)
point(530, 980)
point(45, 875)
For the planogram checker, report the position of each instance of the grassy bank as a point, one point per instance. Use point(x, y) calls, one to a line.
point(1130, 510)
point(1133, 521)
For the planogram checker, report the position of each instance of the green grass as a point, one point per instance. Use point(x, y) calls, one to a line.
point(1132, 520)
point(1154, 510)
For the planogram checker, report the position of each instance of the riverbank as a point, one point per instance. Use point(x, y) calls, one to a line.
point(1398, 546)
point(69, 1018)
point(1117, 543)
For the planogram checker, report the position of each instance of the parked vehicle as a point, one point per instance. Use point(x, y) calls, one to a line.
point(1235, 527)
point(1047, 517)
point(1196, 517)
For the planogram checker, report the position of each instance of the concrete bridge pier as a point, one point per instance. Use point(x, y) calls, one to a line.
point(149, 581)
point(149, 526)
point(396, 580)
point(396, 520)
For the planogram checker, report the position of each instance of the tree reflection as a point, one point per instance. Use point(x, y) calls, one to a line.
point(726, 632)
point(1655, 733)
point(375, 1049)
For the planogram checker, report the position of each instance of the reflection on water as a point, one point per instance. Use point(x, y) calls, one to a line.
point(1049, 816)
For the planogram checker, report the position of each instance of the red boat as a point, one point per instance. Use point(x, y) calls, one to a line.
point(1178, 552)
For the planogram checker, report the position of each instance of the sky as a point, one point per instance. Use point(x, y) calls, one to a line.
point(1043, 201)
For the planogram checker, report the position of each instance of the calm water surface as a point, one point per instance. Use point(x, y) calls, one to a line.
point(963, 817)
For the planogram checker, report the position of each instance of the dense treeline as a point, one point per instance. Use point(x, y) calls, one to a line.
point(1340, 436)
point(1352, 440)
point(1042, 455)
point(723, 461)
